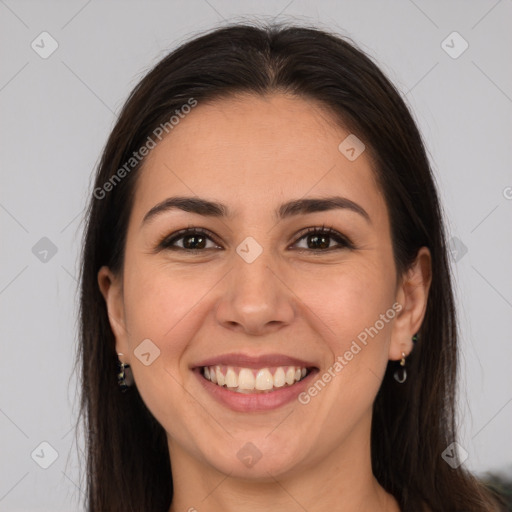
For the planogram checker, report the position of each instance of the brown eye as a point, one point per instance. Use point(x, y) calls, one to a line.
point(320, 239)
point(197, 239)
point(189, 240)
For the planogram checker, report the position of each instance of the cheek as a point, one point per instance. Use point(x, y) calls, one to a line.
point(349, 299)
point(355, 310)
point(160, 305)
point(159, 301)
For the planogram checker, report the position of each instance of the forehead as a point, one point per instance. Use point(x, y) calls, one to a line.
point(250, 151)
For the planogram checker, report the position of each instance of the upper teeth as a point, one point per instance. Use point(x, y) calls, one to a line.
point(247, 379)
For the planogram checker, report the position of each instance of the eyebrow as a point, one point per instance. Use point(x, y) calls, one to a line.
point(291, 208)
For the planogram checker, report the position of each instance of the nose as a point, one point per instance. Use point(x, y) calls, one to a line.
point(256, 299)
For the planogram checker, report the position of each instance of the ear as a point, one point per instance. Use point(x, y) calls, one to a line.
point(412, 295)
point(112, 291)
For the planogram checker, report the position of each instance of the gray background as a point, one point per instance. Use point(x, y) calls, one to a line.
point(56, 114)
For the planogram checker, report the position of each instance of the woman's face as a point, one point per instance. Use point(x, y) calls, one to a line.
point(258, 285)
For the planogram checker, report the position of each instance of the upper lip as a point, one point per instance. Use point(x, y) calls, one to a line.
point(248, 361)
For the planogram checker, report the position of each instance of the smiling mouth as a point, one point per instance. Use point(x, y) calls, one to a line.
point(254, 381)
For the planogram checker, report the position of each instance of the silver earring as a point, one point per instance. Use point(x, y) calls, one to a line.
point(124, 376)
point(400, 374)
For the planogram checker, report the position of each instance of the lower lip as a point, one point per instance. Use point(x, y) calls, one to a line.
point(255, 402)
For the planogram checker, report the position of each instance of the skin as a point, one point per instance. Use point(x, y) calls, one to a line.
point(253, 154)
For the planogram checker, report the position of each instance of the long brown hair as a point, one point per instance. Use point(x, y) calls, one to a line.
point(128, 466)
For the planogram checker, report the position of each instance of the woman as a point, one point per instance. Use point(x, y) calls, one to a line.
point(267, 318)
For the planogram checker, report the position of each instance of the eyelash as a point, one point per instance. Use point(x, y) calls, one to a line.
point(343, 241)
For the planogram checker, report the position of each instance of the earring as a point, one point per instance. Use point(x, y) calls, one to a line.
point(400, 375)
point(124, 376)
